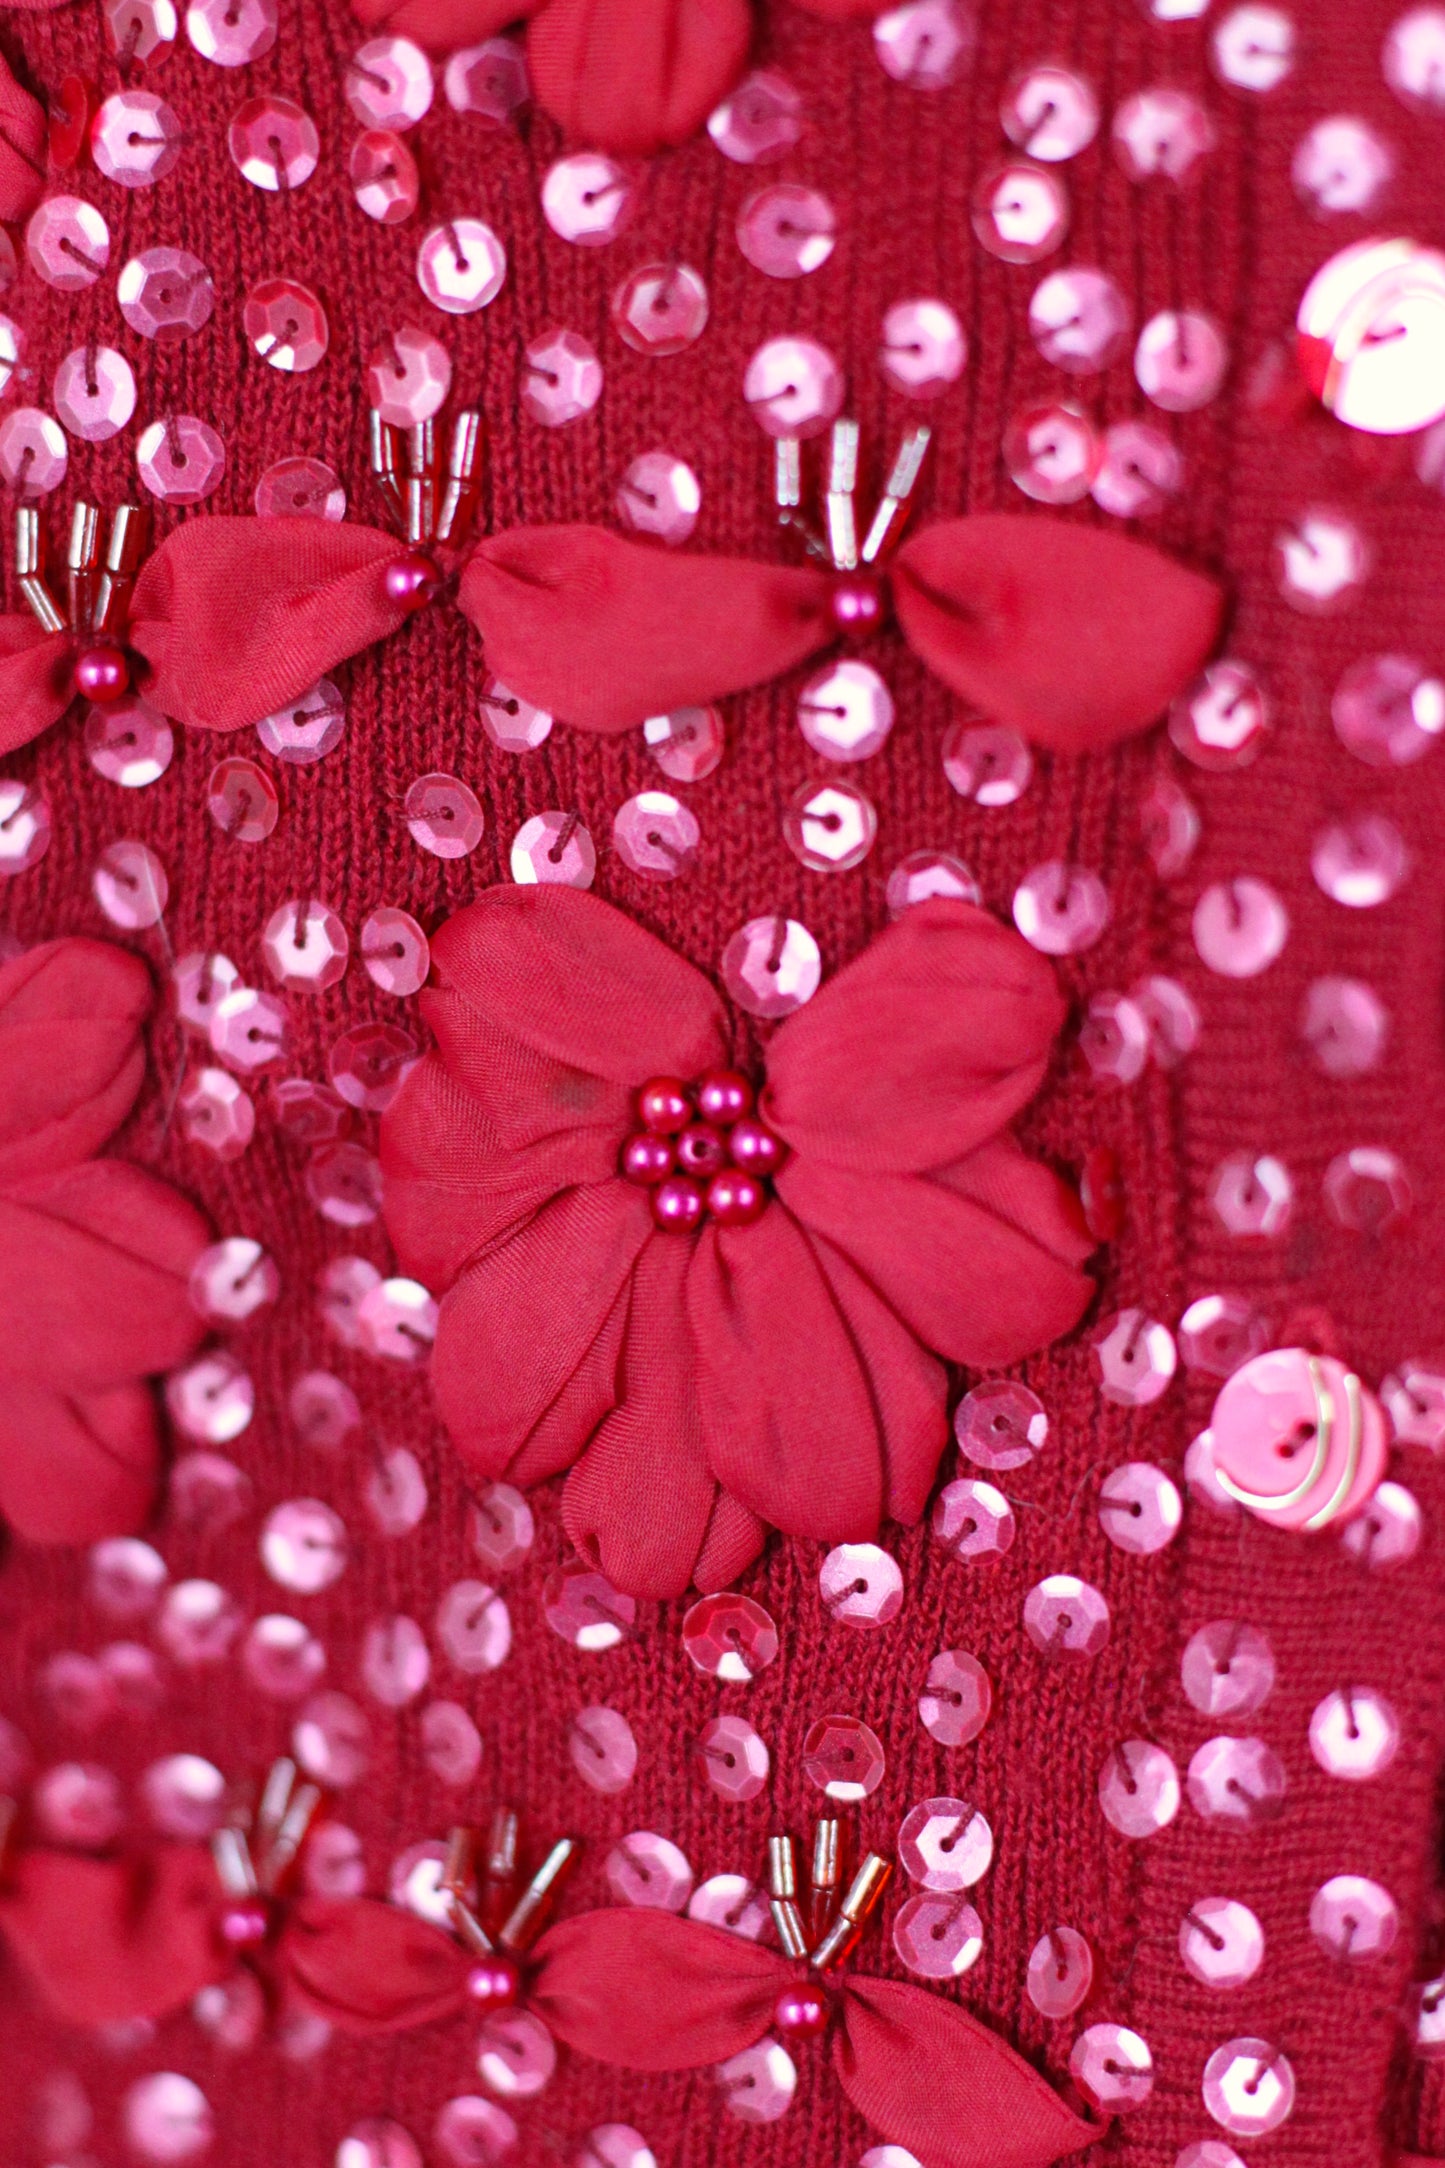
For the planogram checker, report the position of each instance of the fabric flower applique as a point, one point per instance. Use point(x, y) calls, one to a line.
point(777, 1360)
point(94, 1254)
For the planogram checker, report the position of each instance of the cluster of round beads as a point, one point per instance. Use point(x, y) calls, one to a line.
point(702, 1151)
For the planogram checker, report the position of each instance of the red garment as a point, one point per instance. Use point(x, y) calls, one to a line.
point(900, 166)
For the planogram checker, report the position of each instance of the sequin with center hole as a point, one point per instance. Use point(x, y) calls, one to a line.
point(1139, 1789)
point(343, 1181)
point(925, 44)
point(1060, 1973)
point(408, 376)
point(461, 266)
point(582, 1606)
point(987, 763)
point(512, 723)
point(130, 885)
point(282, 1658)
point(1354, 1919)
point(389, 84)
point(1221, 1943)
point(1368, 1190)
point(396, 1321)
point(759, 121)
point(1237, 1782)
point(787, 231)
point(198, 1624)
point(973, 1521)
point(395, 1492)
point(165, 2116)
point(1061, 910)
point(451, 1745)
point(369, 1063)
point(180, 460)
point(1227, 1670)
point(1161, 132)
point(1248, 2085)
point(34, 455)
point(659, 495)
point(384, 177)
point(845, 711)
point(232, 33)
point(331, 1740)
point(733, 1758)
point(1139, 472)
point(1341, 165)
point(1001, 1425)
point(938, 1936)
point(286, 326)
point(1140, 1510)
point(729, 1637)
point(732, 1902)
point(646, 1869)
point(655, 835)
point(603, 1749)
point(758, 2083)
point(830, 827)
point(793, 387)
point(553, 847)
point(1079, 320)
point(470, 2132)
point(1221, 721)
point(304, 1545)
point(957, 1698)
point(1052, 453)
point(860, 1585)
point(1354, 1734)
point(1345, 1025)
point(1360, 861)
point(300, 489)
point(305, 946)
point(67, 242)
point(843, 1758)
point(1240, 927)
point(216, 1113)
point(1020, 212)
point(1253, 47)
point(309, 728)
point(489, 80)
point(588, 198)
point(945, 1844)
point(1112, 2068)
point(661, 309)
point(274, 143)
point(1180, 360)
point(562, 379)
point(772, 966)
point(241, 799)
point(1387, 1532)
point(395, 952)
point(165, 293)
point(1321, 561)
point(923, 874)
point(1066, 1618)
point(444, 816)
point(94, 393)
point(502, 1527)
point(129, 743)
point(233, 1279)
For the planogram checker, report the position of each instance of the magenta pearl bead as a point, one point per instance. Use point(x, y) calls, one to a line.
point(412, 580)
point(701, 1150)
point(494, 1982)
point(736, 1198)
point(801, 2011)
point(756, 1148)
point(102, 674)
point(724, 1096)
point(856, 603)
point(664, 1105)
point(678, 1206)
point(647, 1160)
point(244, 1924)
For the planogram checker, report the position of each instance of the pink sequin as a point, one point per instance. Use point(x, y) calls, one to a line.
point(33, 453)
point(588, 198)
point(384, 177)
point(180, 460)
point(1060, 1973)
point(759, 121)
point(772, 966)
point(945, 1844)
point(1249, 2086)
point(661, 309)
point(135, 138)
point(553, 847)
point(67, 243)
point(1221, 1943)
point(444, 816)
point(729, 1637)
point(1066, 1617)
point(1388, 710)
point(1138, 1790)
point(562, 379)
point(389, 83)
point(925, 43)
point(603, 1749)
point(94, 393)
point(1079, 320)
point(25, 827)
point(957, 1698)
point(734, 1759)
point(461, 266)
point(408, 376)
point(304, 1546)
point(232, 33)
point(787, 231)
point(793, 388)
point(1112, 2068)
point(1020, 212)
point(128, 743)
point(843, 1758)
point(1052, 453)
point(274, 143)
point(1061, 910)
point(489, 80)
point(1238, 1781)
point(286, 326)
point(1227, 1670)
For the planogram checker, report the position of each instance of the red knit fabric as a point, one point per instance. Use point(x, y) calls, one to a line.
point(901, 167)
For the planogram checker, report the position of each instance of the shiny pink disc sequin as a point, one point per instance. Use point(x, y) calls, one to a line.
point(1221, 1943)
point(603, 1749)
point(180, 460)
point(588, 198)
point(33, 453)
point(661, 309)
point(1249, 2086)
point(300, 489)
point(1001, 1425)
point(408, 377)
point(1240, 927)
point(830, 827)
point(793, 388)
point(395, 952)
point(925, 43)
point(973, 1521)
point(562, 379)
point(772, 966)
point(659, 495)
point(1061, 910)
point(1052, 453)
point(129, 883)
point(1020, 212)
point(1079, 320)
point(923, 349)
point(389, 83)
point(25, 827)
point(129, 743)
point(758, 121)
point(734, 1759)
point(68, 243)
point(94, 393)
point(860, 1585)
point(1388, 710)
point(957, 1698)
point(384, 177)
point(1139, 1789)
point(1161, 132)
point(135, 138)
point(938, 1937)
point(945, 1844)
point(165, 293)
point(286, 325)
point(461, 266)
point(1112, 2068)
point(729, 1637)
point(787, 231)
point(553, 847)
point(274, 143)
point(1060, 1973)
point(1066, 1617)
point(443, 816)
point(656, 835)
point(843, 1758)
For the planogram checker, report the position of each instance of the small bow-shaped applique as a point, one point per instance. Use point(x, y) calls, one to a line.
point(768, 1353)
point(649, 1991)
point(1071, 635)
point(57, 652)
point(95, 1255)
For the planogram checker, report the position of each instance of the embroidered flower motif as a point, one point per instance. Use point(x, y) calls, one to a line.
point(94, 1255)
point(787, 1371)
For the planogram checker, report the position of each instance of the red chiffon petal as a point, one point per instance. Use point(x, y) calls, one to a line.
point(76, 1467)
point(639, 1502)
point(920, 1048)
point(452, 1186)
point(35, 679)
point(932, 2079)
point(983, 1267)
point(371, 1968)
point(441, 25)
point(519, 1325)
point(22, 149)
point(237, 617)
point(733, 1540)
point(910, 1390)
point(789, 1416)
point(1073, 635)
point(606, 632)
point(110, 1940)
point(644, 1990)
point(71, 1060)
point(94, 1263)
point(636, 75)
point(576, 982)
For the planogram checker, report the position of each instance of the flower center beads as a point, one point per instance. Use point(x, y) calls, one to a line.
point(97, 593)
point(256, 1850)
point(834, 1926)
point(858, 599)
point(431, 506)
point(493, 1923)
point(702, 1151)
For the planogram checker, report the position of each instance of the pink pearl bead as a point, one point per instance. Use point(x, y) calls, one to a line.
point(801, 2011)
point(494, 1982)
point(102, 674)
point(857, 604)
point(244, 1924)
point(701, 1149)
point(647, 1160)
point(755, 1148)
point(736, 1198)
point(663, 1105)
point(677, 1206)
point(724, 1096)
point(412, 581)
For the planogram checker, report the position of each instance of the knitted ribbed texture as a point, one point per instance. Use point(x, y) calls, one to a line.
point(901, 167)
